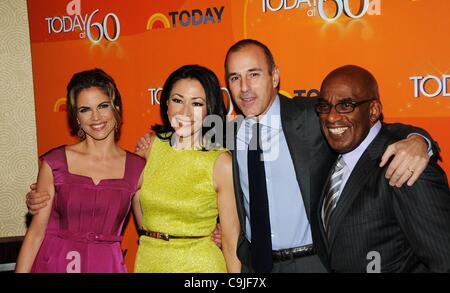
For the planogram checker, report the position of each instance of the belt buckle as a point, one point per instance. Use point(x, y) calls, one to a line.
point(164, 236)
point(92, 236)
point(299, 250)
point(303, 250)
point(291, 253)
point(286, 254)
point(282, 255)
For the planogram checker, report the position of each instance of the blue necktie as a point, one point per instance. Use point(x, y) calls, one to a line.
point(261, 242)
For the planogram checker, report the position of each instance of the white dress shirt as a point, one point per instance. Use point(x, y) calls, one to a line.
point(288, 219)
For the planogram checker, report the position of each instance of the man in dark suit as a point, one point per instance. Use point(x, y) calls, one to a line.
point(274, 197)
point(361, 223)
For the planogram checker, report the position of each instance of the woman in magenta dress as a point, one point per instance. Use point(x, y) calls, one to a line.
point(91, 186)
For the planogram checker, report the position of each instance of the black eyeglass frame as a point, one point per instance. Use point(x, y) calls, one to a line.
point(335, 106)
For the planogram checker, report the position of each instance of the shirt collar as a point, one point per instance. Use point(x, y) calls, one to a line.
point(351, 158)
point(271, 120)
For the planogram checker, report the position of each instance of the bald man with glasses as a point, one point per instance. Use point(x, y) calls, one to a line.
point(361, 223)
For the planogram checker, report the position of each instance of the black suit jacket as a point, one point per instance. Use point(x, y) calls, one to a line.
point(310, 153)
point(409, 226)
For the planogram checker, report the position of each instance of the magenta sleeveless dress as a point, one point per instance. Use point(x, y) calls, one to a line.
point(84, 230)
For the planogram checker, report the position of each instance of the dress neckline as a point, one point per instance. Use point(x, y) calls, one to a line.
point(89, 178)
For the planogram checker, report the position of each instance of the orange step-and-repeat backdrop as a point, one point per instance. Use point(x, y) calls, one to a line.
point(404, 43)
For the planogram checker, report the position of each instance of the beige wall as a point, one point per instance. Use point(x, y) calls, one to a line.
point(18, 152)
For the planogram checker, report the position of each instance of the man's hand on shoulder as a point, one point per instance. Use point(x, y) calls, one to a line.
point(410, 160)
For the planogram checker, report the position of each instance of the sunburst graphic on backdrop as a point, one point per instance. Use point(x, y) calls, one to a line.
point(158, 21)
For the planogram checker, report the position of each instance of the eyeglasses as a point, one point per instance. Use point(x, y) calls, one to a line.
point(342, 107)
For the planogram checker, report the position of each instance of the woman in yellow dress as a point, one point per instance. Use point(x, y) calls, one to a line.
point(185, 184)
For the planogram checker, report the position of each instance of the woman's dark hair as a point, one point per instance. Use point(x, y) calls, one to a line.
point(214, 99)
point(87, 79)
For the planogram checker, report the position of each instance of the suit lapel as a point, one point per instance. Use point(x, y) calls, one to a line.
point(242, 245)
point(293, 121)
point(318, 211)
point(236, 178)
point(367, 164)
point(238, 192)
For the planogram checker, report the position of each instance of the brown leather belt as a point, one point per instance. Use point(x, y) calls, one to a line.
point(164, 236)
point(291, 253)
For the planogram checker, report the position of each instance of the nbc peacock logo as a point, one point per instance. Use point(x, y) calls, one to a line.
point(158, 21)
point(60, 105)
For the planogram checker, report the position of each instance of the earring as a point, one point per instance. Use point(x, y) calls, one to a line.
point(81, 134)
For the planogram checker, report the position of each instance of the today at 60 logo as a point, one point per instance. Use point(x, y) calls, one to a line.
point(91, 25)
point(318, 7)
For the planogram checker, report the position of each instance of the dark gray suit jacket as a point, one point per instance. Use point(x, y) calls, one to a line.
point(409, 226)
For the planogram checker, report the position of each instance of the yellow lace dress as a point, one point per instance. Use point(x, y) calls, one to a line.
point(178, 198)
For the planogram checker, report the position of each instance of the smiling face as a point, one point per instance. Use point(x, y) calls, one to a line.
point(252, 85)
point(344, 132)
point(187, 107)
point(95, 113)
